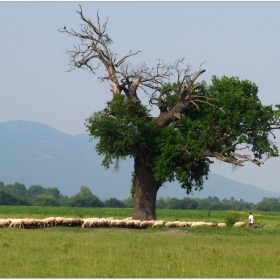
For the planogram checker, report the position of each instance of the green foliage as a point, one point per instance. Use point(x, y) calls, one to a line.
point(122, 129)
point(113, 203)
point(16, 189)
point(35, 190)
point(85, 198)
point(232, 117)
point(231, 218)
point(129, 202)
point(6, 198)
point(209, 203)
point(229, 115)
point(132, 189)
point(269, 204)
point(46, 200)
point(160, 203)
point(243, 118)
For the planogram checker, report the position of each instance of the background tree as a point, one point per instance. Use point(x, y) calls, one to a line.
point(6, 198)
point(196, 122)
point(128, 202)
point(160, 203)
point(85, 198)
point(34, 190)
point(113, 203)
point(15, 189)
point(46, 200)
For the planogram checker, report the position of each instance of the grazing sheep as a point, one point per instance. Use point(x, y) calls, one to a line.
point(222, 225)
point(76, 223)
point(129, 223)
point(59, 221)
point(72, 222)
point(176, 223)
point(149, 223)
point(93, 223)
point(169, 224)
point(16, 223)
point(86, 223)
point(239, 224)
point(145, 224)
point(121, 223)
point(102, 222)
point(49, 221)
point(42, 224)
point(108, 221)
point(159, 223)
point(5, 223)
point(183, 224)
point(29, 223)
point(137, 224)
point(197, 224)
point(113, 223)
point(67, 221)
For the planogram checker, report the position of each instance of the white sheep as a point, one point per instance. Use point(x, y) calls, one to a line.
point(86, 223)
point(183, 224)
point(49, 221)
point(145, 224)
point(16, 223)
point(222, 225)
point(29, 223)
point(197, 224)
point(168, 224)
point(113, 223)
point(59, 221)
point(159, 223)
point(5, 223)
point(42, 224)
point(93, 223)
point(129, 223)
point(239, 224)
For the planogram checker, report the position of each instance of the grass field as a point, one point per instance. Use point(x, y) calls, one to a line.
point(62, 252)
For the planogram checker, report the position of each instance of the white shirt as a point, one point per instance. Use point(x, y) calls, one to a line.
point(251, 219)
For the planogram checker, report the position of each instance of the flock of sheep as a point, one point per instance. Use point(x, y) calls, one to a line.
point(103, 222)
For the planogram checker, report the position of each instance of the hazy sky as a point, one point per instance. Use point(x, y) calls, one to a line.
point(231, 38)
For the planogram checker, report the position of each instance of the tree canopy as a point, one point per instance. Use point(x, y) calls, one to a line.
point(234, 121)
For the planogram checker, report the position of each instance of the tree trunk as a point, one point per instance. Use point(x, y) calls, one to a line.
point(146, 188)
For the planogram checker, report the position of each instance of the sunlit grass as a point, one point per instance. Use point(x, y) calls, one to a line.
point(63, 252)
point(92, 253)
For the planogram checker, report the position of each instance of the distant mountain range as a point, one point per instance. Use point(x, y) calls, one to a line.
point(33, 153)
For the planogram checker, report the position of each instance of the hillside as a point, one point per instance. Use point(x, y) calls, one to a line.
point(35, 153)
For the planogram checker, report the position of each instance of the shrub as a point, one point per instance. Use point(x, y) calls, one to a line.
point(231, 218)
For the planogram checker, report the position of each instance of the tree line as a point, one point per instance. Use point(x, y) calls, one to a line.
point(36, 195)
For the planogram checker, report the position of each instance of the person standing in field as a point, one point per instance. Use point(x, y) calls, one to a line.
point(251, 220)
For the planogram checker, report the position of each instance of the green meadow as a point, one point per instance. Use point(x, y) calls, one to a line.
point(64, 252)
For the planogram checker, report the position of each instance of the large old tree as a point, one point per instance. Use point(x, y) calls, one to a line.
point(196, 122)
